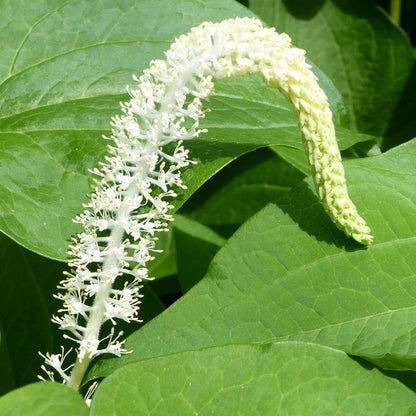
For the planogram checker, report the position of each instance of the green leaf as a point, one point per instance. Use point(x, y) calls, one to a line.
point(288, 274)
point(366, 56)
point(43, 399)
point(63, 72)
point(289, 378)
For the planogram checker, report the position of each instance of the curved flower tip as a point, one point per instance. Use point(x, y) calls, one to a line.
point(330, 183)
point(363, 236)
point(348, 220)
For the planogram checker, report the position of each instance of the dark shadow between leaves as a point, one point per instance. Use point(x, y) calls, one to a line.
point(402, 124)
point(304, 9)
point(302, 205)
point(408, 378)
point(357, 8)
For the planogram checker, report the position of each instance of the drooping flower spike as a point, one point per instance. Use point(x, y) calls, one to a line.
point(130, 204)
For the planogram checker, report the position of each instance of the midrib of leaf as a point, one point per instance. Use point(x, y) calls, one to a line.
point(5, 120)
point(237, 99)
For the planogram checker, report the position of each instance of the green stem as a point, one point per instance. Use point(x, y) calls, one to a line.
point(395, 9)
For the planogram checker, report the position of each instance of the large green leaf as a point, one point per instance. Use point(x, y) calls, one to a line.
point(43, 399)
point(64, 68)
point(366, 56)
point(289, 378)
point(288, 274)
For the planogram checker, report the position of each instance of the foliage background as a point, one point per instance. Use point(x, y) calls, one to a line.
point(281, 293)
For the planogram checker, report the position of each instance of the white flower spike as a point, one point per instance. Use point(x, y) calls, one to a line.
point(130, 204)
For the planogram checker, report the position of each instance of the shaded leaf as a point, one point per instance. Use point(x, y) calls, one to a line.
point(27, 283)
point(7, 382)
point(402, 125)
point(164, 263)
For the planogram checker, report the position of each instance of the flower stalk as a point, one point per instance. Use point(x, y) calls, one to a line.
point(130, 204)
